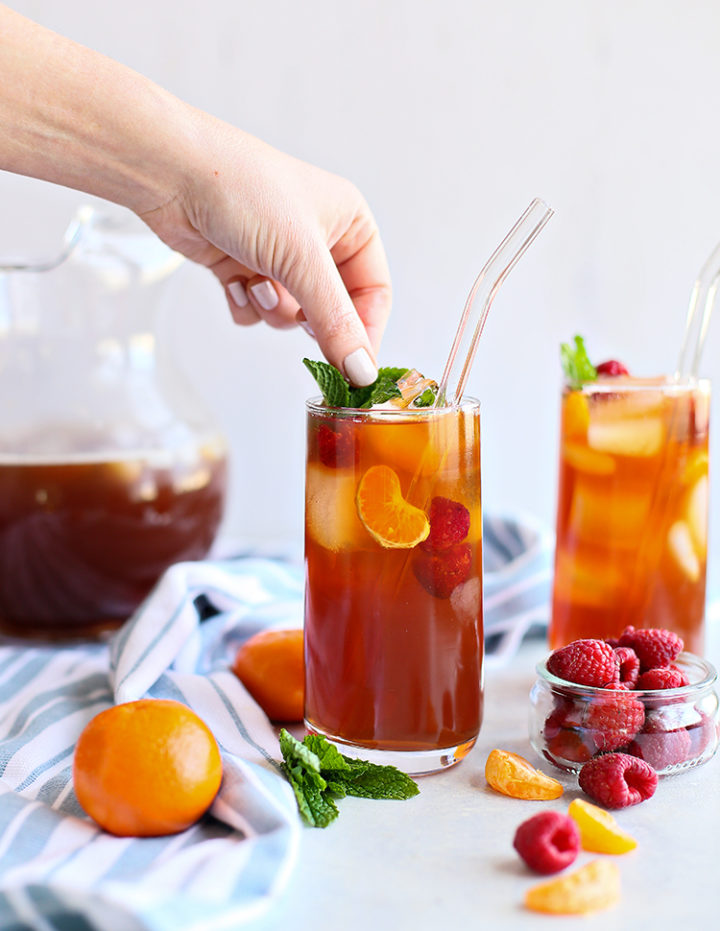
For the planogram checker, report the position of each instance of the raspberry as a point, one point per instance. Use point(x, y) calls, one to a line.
point(701, 734)
point(336, 448)
point(548, 842)
point(654, 646)
point(611, 367)
point(440, 573)
point(449, 524)
point(613, 720)
point(565, 739)
point(629, 666)
point(663, 677)
point(585, 662)
point(662, 748)
point(616, 780)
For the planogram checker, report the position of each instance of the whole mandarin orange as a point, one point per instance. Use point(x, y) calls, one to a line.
point(146, 768)
point(271, 666)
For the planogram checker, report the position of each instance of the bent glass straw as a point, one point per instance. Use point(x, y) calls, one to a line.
point(477, 306)
point(703, 295)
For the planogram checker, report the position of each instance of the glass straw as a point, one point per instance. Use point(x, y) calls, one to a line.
point(487, 284)
point(703, 296)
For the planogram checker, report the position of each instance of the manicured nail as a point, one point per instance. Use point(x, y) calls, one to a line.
point(308, 329)
point(265, 294)
point(237, 293)
point(359, 368)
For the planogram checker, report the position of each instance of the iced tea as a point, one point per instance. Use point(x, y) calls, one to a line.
point(393, 619)
point(632, 509)
point(84, 538)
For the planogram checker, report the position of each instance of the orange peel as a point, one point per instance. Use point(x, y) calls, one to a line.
point(599, 831)
point(592, 887)
point(512, 775)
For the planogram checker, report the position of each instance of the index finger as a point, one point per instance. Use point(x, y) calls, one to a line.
point(366, 276)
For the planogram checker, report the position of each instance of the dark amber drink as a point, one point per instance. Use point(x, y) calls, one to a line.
point(632, 510)
point(84, 539)
point(393, 616)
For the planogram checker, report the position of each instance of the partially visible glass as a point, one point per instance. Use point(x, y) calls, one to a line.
point(393, 635)
point(110, 468)
point(632, 518)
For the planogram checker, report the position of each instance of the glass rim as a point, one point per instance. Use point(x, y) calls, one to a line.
point(689, 661)
point(630, 385)
point(316, 405)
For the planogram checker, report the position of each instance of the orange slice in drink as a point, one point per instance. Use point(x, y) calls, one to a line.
point(387, 516)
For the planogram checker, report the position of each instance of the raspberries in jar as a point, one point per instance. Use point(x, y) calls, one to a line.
point(654, 647)
point(586, 662)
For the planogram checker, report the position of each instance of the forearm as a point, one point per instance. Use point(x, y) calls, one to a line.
point(74, 117)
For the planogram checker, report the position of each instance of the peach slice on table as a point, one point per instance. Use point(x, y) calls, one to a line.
point(512, 775)
point(592, 887)
point(599, 831)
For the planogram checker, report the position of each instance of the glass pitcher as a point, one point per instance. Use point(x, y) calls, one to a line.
point(110, 468)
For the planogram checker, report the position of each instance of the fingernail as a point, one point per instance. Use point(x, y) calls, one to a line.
point(265, 294)
point(359, 368)
point(308, 329)
point(237, 293)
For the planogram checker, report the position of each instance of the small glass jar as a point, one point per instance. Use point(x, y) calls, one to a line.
point(671, 729)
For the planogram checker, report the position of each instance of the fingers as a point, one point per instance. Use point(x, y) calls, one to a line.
point(252, 298)
point(366, 276)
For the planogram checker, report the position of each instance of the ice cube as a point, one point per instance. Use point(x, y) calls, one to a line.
point(633, 436)
point(609, 517)
point(590, 461)
point(330, 510)
point(680, 544)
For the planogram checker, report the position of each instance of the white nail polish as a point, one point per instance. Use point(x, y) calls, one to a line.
point(237, 293)
point(265, 294)
point(359, 368)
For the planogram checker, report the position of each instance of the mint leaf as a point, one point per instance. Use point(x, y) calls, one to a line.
point(335, 389)
point(426, 399)
point(319, 773)
point(576, 365)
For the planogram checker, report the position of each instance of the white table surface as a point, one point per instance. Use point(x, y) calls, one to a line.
point(445, 859)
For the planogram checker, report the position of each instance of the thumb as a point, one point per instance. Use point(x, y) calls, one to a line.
point(317, 286)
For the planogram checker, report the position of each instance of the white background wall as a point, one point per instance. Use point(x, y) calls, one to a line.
point(450, 116)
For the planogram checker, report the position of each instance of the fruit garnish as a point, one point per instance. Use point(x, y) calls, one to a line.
point(449, 523)
point(612, 367)
point(616, 780)
point(271, 666)
point(585, 662)
point(336, 445)
point(319, 774)
point(512, 775)
point(406, 387)
point(548, 842)
point(441, 571)
point(576, 365)
point(146, 768)
point(599, 831)
point(387, 516)
point(654, 646)
point(590, 888)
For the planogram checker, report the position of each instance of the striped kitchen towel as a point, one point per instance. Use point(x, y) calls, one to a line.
point(58, 870)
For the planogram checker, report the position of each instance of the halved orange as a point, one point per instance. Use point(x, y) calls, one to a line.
point(387, 516)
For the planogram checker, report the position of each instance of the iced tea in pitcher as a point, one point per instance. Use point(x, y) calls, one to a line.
point(632, 515)
point(393, 619)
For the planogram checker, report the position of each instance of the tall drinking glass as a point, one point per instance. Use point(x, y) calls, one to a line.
point(393, 554)
point(632, 509)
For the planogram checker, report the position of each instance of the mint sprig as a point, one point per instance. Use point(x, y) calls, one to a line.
point(576, 365)
point(319, 774)
point(337, 392)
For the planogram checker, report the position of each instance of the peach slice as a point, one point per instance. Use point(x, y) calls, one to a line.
point(588, 889)
point(599, 831)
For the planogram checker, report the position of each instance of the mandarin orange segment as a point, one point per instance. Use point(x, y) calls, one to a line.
point(387, 516)
point(576, 416)
point(271, 666)
point(599, 831)
point(590, 888)
point(146, 768)
point(512, 775)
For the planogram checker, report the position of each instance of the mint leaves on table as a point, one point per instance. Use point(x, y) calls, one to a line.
point(338, 393)
point(319, 774)
point(576, 365)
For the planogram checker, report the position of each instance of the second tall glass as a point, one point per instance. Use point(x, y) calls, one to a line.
point(393, 617)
